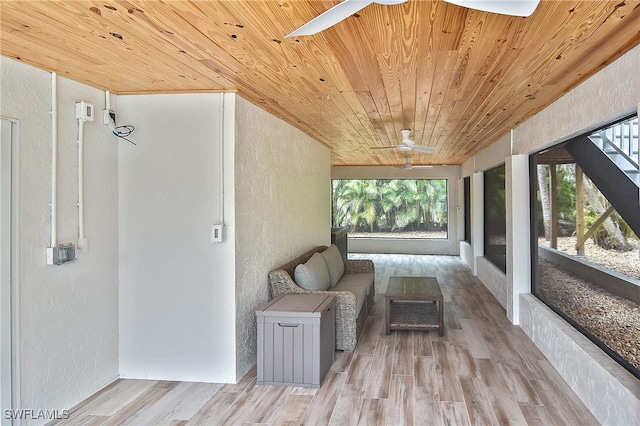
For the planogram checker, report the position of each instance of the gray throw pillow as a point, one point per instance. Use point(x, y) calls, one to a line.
point(312, 275)
point(334, 262)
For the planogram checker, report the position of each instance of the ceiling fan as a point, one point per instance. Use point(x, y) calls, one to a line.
point(409, 166)
point(408, 144)
point(347, 8)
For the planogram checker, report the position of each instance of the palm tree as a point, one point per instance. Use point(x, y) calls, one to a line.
point(390, 204)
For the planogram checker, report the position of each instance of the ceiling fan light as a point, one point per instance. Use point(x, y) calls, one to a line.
point(403, 147)
point(504, 7)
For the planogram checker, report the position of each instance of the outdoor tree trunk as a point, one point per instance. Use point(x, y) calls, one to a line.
point(543, 184)
point(616, 239)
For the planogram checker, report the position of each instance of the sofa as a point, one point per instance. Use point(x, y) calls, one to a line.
point(351, 281)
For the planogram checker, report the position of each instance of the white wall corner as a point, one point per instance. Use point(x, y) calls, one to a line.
point(518, 235)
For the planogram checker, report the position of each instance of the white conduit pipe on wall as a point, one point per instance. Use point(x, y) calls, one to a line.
point(54, 159)
point(221, 153)
point(82, 242)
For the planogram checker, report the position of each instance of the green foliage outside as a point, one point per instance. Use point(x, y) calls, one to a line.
point(397, 205)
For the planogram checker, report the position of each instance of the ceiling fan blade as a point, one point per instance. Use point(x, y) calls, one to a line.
point(337, 13)
point(384, 147)
point(425, 149)
point(503, 7)
point(331, 17)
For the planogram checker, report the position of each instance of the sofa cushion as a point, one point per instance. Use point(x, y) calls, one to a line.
point(334, 262)
point(358, 284)
point(313, 275)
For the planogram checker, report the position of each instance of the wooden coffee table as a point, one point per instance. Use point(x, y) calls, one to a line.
point(413, 303)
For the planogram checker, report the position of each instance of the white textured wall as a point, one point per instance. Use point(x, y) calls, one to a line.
point(610, 93)
point(610, 392)
point(494, 279)
point(282, 209)
point(177, 289)
point(493, 155)
point(68, 315)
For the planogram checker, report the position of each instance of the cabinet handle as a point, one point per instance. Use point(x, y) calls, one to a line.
point(287, 325)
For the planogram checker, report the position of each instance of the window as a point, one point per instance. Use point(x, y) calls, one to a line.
point(585, 265)
point(396, 208)
point(495, 217)
point(467, 209)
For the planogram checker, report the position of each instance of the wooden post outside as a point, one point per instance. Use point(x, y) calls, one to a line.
point(579, 210)
point(554, 205)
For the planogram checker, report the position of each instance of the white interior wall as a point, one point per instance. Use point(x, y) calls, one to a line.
point(448, 246)
point(177, 289)
point(68, 315)
point(283, 209)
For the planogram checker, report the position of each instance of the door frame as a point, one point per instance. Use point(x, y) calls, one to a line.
point(9, 329)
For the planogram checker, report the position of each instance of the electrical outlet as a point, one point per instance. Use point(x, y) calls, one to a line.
point(109, 118)
point(61, 254)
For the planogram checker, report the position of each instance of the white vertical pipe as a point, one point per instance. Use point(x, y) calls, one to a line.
point(221, 153)
point(107, 100)
point(54, 159)
point(81, 240)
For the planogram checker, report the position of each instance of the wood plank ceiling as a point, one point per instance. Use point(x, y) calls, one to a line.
point(458, 77)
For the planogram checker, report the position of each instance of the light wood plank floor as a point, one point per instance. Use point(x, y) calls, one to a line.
point(484, 371)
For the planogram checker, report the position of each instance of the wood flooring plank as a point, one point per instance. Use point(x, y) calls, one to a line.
point(129, 413)
point(381, 368)
point(322, 404)
point(557, 396)
point(454, 413)
point(341, 361)
point(292, 411)
point(347, 407)
point(269, 404)
point(479, 409)
point(403, 352)
point(446, 373)
point(244, 405)
point(210, 412)
point(373, 412)
point(473, 338)
point(422, 343)
point(246, 383)
point(426, 400)
point(373, 330)
point(519, 385)
point(112, 398)
point(81, 419)
point(181, 403)
point(504, 406)
point(401, 401)
point(536, 415)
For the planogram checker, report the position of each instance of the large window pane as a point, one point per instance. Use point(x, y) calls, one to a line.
point(587, 265)
point(396, 208)
point(495, 217)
